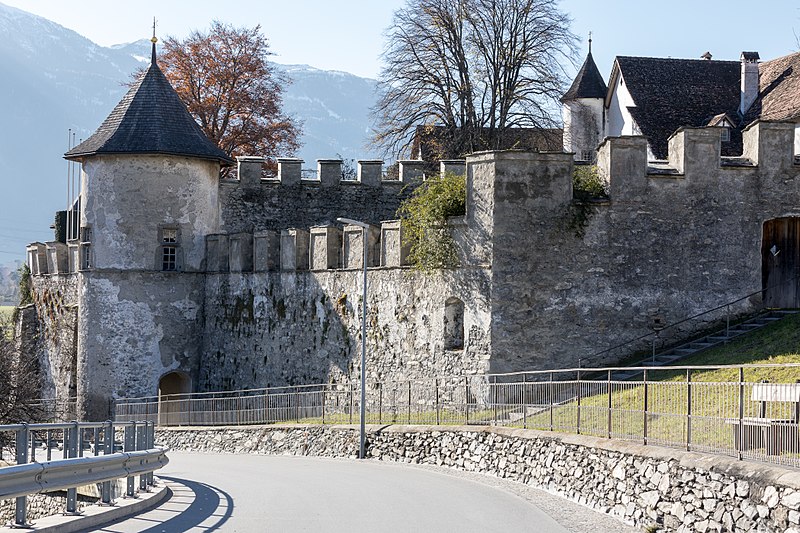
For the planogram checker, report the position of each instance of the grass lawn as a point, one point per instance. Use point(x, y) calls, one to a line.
point(6, 312)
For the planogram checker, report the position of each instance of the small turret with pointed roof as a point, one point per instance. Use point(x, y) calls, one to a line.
point(588, 83)
point(150, 119)
point(583, 108)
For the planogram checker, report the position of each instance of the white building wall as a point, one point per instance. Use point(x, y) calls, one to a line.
point(583, 127)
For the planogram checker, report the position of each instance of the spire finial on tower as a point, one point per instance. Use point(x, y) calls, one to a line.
point(154, 40)
point(590, 42)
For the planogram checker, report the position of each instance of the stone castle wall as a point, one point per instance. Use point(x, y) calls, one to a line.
point(254, 202)
point(291, 328)
point(545, 282)
point(49, 328)
point(134, 328)
point(674, 239)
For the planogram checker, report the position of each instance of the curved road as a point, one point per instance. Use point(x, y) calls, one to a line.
point(253, 493)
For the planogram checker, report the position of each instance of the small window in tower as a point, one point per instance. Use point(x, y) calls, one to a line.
point(169, 258)
point(169, 250)
point(725, 135)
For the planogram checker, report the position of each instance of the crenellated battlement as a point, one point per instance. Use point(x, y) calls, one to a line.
point(325, 247)
point(694, 156)
point(254, 171)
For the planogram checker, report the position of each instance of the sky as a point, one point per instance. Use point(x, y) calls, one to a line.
point(348, 35)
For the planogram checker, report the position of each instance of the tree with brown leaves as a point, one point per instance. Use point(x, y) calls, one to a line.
point(230, 88)
point(477, 68)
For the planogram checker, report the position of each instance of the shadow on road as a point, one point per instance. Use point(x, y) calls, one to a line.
point(191, 506)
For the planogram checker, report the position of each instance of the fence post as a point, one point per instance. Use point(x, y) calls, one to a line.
point(550, 394)
point(21, 449)
point(688, 409)
point(741, 413)
point(578, 428)
point(466, 400)
point(645, 408)
point(49, 449)
point(436, 398)
point(80, 442)
point(323, 404)
point(141, 444)
point(351, 402)
point(380, 403)
point(151, 443)
point(409, 402)
point(296, 405)
point(524, 401)
point(72, 494)
point(608, 384)
point(130, 445)
point(108, 441)
point(32, 441)
point(493, 396)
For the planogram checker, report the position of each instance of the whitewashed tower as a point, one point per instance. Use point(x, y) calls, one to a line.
point(584, 111)
point(149, 195)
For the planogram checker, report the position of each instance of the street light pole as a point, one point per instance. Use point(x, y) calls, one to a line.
point(362, 440)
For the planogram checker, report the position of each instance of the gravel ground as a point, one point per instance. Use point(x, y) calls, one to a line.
point(571, 515)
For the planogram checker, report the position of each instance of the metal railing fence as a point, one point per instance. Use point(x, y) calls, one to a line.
point(27, 474)
point(748, 411)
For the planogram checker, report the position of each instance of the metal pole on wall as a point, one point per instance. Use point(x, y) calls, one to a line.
point(364, 241)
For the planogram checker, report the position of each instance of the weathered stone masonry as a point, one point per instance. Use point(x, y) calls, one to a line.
point(543, 282)
point(643, 485)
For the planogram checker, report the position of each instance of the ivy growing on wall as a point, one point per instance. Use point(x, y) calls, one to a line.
point(587, 188)
point(424, 215)
point(25, 294)
point(587, 183)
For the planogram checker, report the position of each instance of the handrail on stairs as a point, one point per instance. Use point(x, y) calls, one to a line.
point(657, 332)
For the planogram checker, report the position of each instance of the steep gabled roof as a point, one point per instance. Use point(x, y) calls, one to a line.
point(587, 84)
point(150, 119)
point(670, 93)
point(779, 89)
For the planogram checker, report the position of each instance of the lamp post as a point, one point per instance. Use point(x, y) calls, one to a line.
point(364, 227)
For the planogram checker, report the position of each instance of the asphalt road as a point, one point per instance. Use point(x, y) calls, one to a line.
point(252, 493)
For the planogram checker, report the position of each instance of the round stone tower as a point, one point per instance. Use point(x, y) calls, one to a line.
point(149, 197)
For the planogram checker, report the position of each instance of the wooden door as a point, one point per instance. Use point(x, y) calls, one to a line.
point(780, 262)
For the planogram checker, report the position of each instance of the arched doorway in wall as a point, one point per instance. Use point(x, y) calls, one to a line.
point(780, 262)
point(171, 405)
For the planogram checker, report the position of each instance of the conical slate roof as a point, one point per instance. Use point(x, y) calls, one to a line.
point(588, 83)
point(150, 119)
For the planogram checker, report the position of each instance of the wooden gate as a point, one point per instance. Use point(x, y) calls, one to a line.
point(780, 262)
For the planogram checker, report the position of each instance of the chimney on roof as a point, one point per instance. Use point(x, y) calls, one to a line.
point(707, 56)
point(749, 80)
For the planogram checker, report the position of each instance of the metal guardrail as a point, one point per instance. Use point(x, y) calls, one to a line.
point(139, 456)
point(677, 406)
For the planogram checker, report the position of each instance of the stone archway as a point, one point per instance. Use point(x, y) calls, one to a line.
point(171, 404)
point(780, 262)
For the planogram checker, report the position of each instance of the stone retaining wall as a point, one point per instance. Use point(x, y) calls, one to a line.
point(39, 506)
point(642, 485)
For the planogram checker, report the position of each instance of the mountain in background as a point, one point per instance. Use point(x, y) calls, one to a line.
point(55, 79)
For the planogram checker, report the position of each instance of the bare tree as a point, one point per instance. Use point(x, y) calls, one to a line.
point(477, 67)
